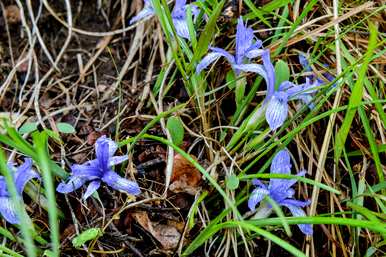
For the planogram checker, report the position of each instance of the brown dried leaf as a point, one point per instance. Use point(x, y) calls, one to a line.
point(167, 235)
point(185, 177)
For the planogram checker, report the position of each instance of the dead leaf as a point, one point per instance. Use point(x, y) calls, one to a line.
point(167, 235)
point(12, 14)
point(185, 177)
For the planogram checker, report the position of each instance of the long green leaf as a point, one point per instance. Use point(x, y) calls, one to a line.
point(356, 95)
point(40, 140)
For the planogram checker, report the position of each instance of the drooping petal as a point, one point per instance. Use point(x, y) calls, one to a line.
point(270, 71)
point(90, 170)
point(298, 212)
point(7, 210)
point(213, 56)
point(255, 68)
point(73, 184)
point(118, 183)
point(3, 187)
point(297, 92)
point(115, 160)
point(296, 203)
point(230, 58)
point(277, 110)
point(24, 174)
point(256, 196)
point(92, 187)
point(182, 28)
point(145, 12)
point(253, 53)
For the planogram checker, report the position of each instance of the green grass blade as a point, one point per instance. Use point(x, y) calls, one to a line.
point(40, 140)
point(356, 95)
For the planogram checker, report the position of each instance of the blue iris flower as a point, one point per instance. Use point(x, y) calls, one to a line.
point(247, 48)
point(277, 105)
point(280, 190)
point(99, 170)
point(178, 16)
point(21, 176)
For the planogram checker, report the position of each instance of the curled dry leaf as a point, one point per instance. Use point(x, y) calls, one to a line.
point(185, 177)
point(167, 235)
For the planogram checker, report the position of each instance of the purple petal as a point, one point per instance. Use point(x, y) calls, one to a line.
point(23, 174)
point(145, 12)
point(277, 110)
point(304, 62)
point(195, 10)
point(281, 164)
point(257, 182)
point(244, 37)
point(3, 187)
point(296, 92)
point(213, 56)
point(92, 187)
point(270, 70)
point(118, 183)
point(298, 212)
point(112, 146)
point(286, 85)
point(102, 149)
point(117, 160)
point(256, 68)
point(90, 170)
point(230, 58)
point(256, 196)
point(296, 203)
point(253, 53)
point(73, 184)
point(180, 4)
point(182, 28)
point(7, 210)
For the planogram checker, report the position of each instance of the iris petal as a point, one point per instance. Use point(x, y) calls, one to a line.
point(255, 68)
point(145, 12)
point(115, 160)
point(277, 110)
point(182, 28)
point(212, 57)
point(24, 174)
point(244, 37)
point(102, 153)
point(73, 184)
point(118, 183)
point(89, 170)
point(298, 212)
point(92, 187)
point(257, 195)
point(7, 210)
